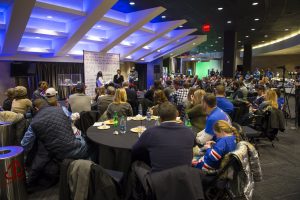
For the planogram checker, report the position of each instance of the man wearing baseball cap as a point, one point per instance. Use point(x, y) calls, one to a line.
point(51, 92)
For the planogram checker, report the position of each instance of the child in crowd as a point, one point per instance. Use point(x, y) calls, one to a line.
point(227, 138)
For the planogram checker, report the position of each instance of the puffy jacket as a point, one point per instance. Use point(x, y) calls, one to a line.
point(53, 128)
point(242, 184)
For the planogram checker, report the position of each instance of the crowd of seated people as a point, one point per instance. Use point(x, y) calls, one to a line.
point(52, 137)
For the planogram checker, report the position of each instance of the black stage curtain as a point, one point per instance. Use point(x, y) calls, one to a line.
point(142, 71)
point(48, 71)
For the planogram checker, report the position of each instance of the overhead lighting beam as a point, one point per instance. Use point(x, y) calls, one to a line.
point(181, 34)
point(48, 6)
point(79, 28)
point(161, 29)
point(138, 19)
point(17, 19)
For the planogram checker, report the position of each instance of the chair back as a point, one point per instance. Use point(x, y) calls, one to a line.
point(182, 182)
point(86, 120)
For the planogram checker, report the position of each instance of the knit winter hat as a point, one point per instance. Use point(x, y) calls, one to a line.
point(20, 91)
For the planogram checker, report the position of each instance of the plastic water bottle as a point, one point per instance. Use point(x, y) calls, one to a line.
point(140, 109)
point(115, 119)
point(187, 122)
point(148, 115)
point(122, 125)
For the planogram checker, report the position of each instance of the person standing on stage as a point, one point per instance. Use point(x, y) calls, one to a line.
point(133, 77)
point(118, 78)
point(99, 79)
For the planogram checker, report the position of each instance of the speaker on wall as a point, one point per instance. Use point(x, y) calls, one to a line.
point(156, 69)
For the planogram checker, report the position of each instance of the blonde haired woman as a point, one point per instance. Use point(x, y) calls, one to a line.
point(227, 138)
point(270, 100)
point(195, 110)
point(119, 105)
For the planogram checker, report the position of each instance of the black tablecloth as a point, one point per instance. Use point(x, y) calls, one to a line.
point(115, 150)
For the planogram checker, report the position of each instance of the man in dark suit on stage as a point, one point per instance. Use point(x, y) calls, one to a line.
point(118, 78)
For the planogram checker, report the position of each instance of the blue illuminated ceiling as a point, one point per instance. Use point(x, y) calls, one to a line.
point(58, 28)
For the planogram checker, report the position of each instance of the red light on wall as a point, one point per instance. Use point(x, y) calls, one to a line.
point(206, 28)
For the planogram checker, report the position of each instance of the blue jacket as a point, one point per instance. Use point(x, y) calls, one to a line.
point(213, 156)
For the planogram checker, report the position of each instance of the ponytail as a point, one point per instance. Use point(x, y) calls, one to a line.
point(236, 134)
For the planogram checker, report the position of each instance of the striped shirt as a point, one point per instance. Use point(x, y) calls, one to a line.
point(213, 156)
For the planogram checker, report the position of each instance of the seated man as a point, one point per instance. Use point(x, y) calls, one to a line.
point(104, 101)
point(260, 96)
point(52, 131)
point(79, 101)
point(214, 114)
point(165, 146)
point(222, 101)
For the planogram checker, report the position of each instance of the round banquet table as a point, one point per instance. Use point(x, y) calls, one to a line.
point(114, 151)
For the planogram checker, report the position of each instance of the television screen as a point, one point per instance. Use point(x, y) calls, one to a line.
point(22, 69)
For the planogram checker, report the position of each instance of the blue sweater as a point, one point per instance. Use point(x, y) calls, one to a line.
point(225, 105)
point(213, 156)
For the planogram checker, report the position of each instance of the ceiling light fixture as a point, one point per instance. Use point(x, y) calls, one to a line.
point(142, 58)
point(98, 26)
point(254, 3)
point(180, 26)
point(229, 22)
point(256, 19)
point(262, 41)
point(132, 3)
point(239, 41)
point(247, 36)
point(158, 50)
point(216, 41)
point(163, 16)
point(219, 37)
point(286, 29)
point(211, 45)
point(128, 57)
point(266, 36)
point(49, 17)
point(220, 8)
point(37, 37)
point(252, 29)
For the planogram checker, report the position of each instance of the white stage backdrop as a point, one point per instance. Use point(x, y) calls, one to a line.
point(94, 62)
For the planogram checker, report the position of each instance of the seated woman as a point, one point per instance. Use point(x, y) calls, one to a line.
point(270, 100)
point(159, 98)
point(119, 105)
point(21, 104)
point(195, 110)
point(227, 139)
point(10, 93)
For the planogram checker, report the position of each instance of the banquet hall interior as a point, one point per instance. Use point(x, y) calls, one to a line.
point(160, 99)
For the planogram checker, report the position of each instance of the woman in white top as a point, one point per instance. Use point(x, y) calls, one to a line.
point(99, 79)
